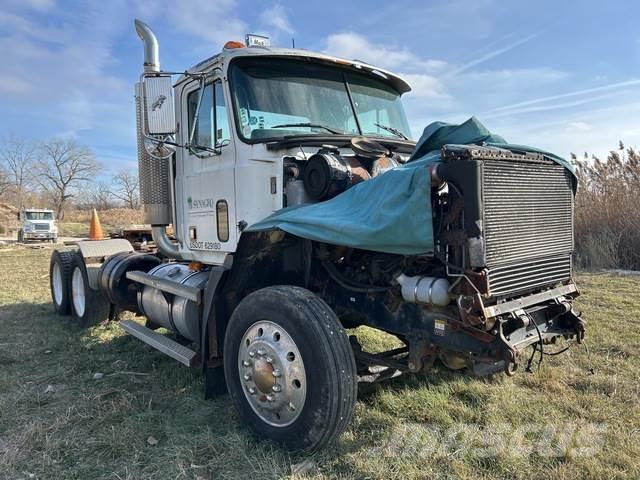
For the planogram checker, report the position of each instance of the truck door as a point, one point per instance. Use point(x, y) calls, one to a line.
point(208, 188)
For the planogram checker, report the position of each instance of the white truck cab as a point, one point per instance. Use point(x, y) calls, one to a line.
point(37, 224)
point(236, 119)
point(484, 272)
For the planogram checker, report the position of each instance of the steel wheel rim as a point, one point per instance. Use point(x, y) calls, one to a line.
point(57, 283)
point(77, 292)
point(272, 373)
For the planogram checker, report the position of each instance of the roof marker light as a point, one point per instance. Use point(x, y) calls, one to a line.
point(231, 44)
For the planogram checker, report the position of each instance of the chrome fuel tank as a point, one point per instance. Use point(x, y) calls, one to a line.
point(178, 314)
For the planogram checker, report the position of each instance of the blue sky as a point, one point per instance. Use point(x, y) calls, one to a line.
point(564, 76)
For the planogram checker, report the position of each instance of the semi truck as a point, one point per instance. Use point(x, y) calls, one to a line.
point(37, 224)
point(302, 210)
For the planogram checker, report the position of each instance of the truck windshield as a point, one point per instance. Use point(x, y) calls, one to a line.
point(280, 97)
point(39, 215)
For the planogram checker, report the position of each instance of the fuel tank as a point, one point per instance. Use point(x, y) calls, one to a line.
point(174, 313)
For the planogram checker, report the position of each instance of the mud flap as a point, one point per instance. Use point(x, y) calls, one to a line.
point(214, 382)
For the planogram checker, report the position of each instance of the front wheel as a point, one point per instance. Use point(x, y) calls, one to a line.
point(289, 367)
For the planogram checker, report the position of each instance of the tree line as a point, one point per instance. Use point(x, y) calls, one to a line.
point(60, 173)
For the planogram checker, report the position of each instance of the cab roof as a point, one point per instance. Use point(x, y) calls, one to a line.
point(226, 55)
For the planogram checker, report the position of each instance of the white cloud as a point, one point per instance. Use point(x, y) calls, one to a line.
point(13, 85)
point(62, 77)
point(214, 21)
point(595, 130)
point(277, 17)
point(425, 86)
point(40, 5)
point(354, 46)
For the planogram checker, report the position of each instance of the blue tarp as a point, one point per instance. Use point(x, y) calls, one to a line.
point(391, 212)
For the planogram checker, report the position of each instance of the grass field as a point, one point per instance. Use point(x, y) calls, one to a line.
point(146, 417)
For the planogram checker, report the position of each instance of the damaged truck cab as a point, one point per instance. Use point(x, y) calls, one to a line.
point(300, 209)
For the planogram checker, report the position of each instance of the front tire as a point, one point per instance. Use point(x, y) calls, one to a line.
point(289, 367)
point(88, 306)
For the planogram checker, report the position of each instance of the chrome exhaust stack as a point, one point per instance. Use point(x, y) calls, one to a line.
point(151, 47)
point(153, 171)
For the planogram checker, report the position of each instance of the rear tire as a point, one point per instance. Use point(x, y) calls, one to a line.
point(59, 274)
point(88, 306)
point(289, 367)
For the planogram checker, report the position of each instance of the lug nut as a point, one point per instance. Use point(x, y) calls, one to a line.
point(276, 388)
point(269, 360)
point(246, 363)
point(247, 377)
point(276, 372)
point(252, 353)
point(291, 406)
point(261, 352)
point(252, 391)
point(270, 398)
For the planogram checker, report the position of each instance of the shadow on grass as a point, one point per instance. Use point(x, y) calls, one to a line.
point(52, 364)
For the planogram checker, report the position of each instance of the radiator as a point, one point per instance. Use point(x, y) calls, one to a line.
point(528, 224)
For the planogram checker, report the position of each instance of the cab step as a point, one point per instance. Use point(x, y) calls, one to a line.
point(160, 342)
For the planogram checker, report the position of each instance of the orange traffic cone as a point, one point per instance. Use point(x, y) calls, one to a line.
point(95, 229)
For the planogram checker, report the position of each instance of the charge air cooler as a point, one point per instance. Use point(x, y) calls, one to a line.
point(516, 221)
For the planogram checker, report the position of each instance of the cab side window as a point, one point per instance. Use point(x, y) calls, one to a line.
point(212, 123)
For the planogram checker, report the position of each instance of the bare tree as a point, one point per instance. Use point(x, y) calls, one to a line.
point(97, 195)
point(17, 156)
point(127, 189)
point(62, 167)
point(5, 183)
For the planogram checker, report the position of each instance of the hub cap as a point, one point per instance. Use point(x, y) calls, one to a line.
point(77, 292)
point(272, 373)
point(57, 283)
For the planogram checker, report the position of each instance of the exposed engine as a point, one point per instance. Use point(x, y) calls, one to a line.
point(328, 172)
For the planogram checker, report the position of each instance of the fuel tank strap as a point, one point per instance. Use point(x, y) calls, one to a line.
point(190, 293)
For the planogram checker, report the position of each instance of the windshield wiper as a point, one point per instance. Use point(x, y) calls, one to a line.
point(395, 131)
point(310, 125)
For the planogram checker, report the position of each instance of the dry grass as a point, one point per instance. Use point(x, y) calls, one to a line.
point(112, 216)
point(607, 221)
point(76, 222)
point(57, 422)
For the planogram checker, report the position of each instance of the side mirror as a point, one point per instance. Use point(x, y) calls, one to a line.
point(158, 104)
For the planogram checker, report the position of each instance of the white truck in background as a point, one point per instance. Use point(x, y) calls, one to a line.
point(37, 224)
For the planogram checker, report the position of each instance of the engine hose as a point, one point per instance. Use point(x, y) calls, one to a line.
point(541, 343)
point(347, 285)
